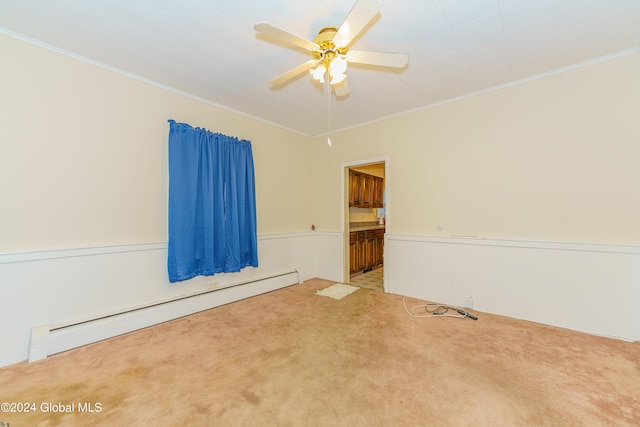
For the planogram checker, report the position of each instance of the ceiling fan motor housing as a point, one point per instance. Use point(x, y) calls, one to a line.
point(328, 49)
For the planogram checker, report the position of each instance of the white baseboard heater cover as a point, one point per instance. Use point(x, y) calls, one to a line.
point(48, 340)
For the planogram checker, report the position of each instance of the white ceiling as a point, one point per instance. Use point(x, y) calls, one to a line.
point(209, 49)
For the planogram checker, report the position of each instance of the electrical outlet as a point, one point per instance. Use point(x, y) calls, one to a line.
point(468, 302)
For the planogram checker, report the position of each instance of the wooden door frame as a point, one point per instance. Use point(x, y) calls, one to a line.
point(344, 185)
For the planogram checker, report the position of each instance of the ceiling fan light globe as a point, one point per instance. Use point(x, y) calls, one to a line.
point(338, 66)
point(318, 73)
point(335, 79)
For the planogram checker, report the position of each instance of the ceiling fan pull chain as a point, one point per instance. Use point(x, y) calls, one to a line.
point(329, 112)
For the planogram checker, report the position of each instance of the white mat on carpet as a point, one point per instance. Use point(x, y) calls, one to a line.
point(338, 291)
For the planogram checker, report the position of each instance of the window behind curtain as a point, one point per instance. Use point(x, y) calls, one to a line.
point(212, 203)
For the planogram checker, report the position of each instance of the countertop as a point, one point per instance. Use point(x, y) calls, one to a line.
point(362, 226)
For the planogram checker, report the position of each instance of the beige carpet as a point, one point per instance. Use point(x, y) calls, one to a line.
point(293, 358)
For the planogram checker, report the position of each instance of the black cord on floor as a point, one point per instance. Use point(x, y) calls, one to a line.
point(435, 310)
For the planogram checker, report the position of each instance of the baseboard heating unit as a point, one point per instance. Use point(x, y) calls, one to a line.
point(47, 340)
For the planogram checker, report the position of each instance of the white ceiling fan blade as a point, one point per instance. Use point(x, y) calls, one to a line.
point(285, 36)
point(306, 66)
point(342, 88)
point(359, 16)
point(384, 59)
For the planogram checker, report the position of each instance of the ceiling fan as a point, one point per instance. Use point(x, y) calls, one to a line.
point(330, 48)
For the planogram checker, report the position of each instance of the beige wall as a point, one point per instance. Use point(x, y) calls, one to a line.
point(83, 158)
point(556, 158)
point(83, 155)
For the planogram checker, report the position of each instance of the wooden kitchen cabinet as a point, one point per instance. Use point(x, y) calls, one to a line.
point(366, 185)
point(379, 247)
point(357, 257)
point(369, 249)
point(354, 188)
point(377, 192)
point(353, 245)
point(365, 191)
point(366, 250)
point(360, 251)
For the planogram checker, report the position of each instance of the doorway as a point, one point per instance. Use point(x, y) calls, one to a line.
point(365, 217)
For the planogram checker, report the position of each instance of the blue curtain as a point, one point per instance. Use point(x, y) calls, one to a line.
point(212, 203)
